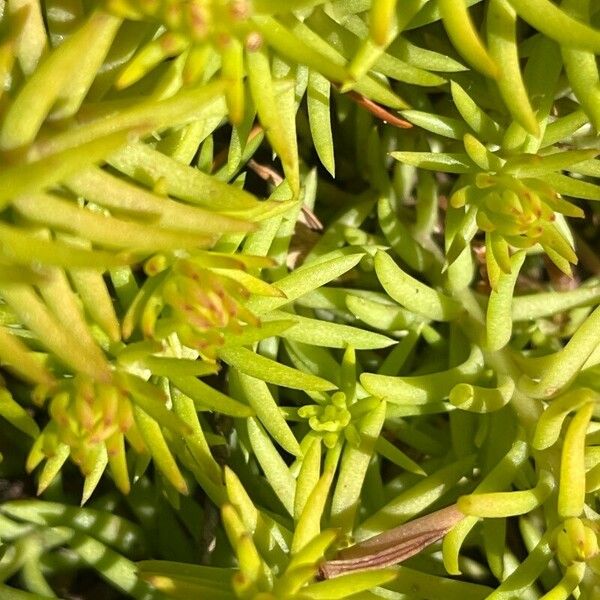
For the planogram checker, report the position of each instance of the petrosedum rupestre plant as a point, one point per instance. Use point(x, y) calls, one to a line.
point(309, 294)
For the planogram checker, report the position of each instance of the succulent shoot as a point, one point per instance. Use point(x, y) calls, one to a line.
point(300, 299)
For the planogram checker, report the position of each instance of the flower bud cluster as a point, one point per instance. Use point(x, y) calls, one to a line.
point(196, 19)
point(201, 306)
point(575, 541)
point(87, 415)
point(336, 418)
point(519, 213)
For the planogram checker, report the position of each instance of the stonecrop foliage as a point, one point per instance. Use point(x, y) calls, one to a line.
point(277, 277)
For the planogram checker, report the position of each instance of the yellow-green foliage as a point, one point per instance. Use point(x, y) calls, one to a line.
point(300, 288)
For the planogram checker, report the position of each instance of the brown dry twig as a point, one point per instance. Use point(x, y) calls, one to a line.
point(379, 111)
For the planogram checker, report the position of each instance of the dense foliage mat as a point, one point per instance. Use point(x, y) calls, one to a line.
point(299, 299)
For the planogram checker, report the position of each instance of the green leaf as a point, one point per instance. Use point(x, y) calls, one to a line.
point(557, 24)
point(253, 284)
point(52, 467)
point(57, 338)
point(100, 187)
point(148, 166)
point(142, 117)
point(400, 237)
point(480, 155)
point(563, 127)
point(561, 367)
point(251, 334)
point(587, 167)
point(232, 71)
point(9, 593)
point(464, 36)
point(396, 359)
point(508, 504)
point(153, 402)
point(423, 58)
point(478, 120)
point(499, 478)
point(268, 108)
point(396, 456)
point(437, 161)
point(271, 371)
point(165, 366)
point(36, 174)
point(308, 526)
point(550, 423)
point(94, 295)
point(319, 117)
point(287, 105)
point(314, 359)
point(569, 186)
point(369, 55)
point(546, 304)
point(257, 394)
point(213, 576)
point(347, 585)
point(158, 448)
point(571, 489)
point(411, 293)
point(372, 87)
point(117, 462)
point(182, 587)
point(106, 527)
point(31, 43)
point(58, 295)
point(387, 317)
point(482, 399)
point(444, 126)
point(103, 230)
point(352, 41)
point(110, 565)
point(196, 442)
point(36, 98)
point(310, 470)
point(415, 499)
point(353, 468)
point(330, 335)
point(428, 12)
point(298, 48)
point(452, 589)
point(582, 71)
point(304, 280)
point(271, 538)
point(380, 18)
point(93, 475)
point(420, 389)
point(16, 357)
point(77, 85)
point(525, 575)
point(499, 318)
point(533, 165)
point(312, 552)
point(207, 398)
point(151, 54)
point(16, 415)
point(276, 471)
point(503, 44)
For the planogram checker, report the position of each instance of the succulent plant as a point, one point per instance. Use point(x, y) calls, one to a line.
point(299, 300)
